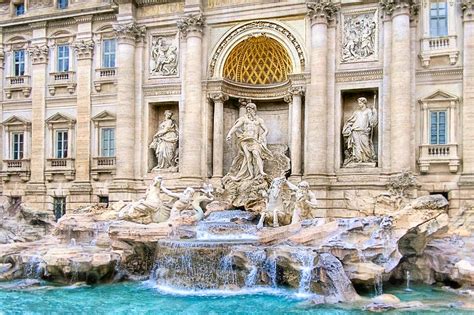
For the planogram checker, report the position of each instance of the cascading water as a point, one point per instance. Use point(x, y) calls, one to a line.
point(99, 227)
point(378, 285)
point(306, 259)
point(34, 267)
point(256, 260)
point(232, 225)
point(271, 270)
point(408, 282)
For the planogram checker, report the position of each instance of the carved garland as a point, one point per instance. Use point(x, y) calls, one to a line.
point(260, 25)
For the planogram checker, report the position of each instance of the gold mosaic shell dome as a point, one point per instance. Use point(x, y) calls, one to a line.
point(258, 60)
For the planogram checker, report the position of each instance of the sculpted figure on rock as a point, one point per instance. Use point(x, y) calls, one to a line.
point(358, 134)
point(165, 143)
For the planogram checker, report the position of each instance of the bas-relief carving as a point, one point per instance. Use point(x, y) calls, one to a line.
point(359, 38)
point(165, 144)
point(358, 133)
point(164, 56)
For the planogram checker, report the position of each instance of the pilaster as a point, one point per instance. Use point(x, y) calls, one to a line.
point(191, 28)
point(218, 135)
point(296, 141)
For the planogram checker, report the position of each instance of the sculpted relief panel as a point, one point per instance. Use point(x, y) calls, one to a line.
point(164, 58)
point(359, 37)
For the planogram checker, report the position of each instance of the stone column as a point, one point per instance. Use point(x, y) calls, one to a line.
point(84, 49)
point(127, 35)
point(35, 193)
point(400, 85)
point(295, 131)
point(191, 27)
point(468, 93)
point(218, 135)
point(321, 13)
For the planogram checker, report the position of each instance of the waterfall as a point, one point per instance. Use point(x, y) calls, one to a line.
point(227, 270)
point(256, 260)
point(378, 284)
point(34, 267)
point(306, 259)
point(72, 242)
point(99, 227)
point(271, 270)
point(408, 282)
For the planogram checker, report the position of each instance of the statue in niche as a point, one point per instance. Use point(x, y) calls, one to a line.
point(251, 134)
point(165, 143)
point(359, 37)
point(164, 57)
point(358, 134)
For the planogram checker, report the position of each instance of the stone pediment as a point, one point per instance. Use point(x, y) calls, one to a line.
point(59, 118)
point(440, 96)
point(103, 116)
point(16, 121)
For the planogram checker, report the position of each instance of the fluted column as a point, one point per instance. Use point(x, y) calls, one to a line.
point(127, 35)
point(84, 49)
point(321, 13)
point(191, 27)
point(400, 85)
point(295, 129)
point(468, 92)
point(218, 135)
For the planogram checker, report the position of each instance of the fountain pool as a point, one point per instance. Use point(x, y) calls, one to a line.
point(143, 297)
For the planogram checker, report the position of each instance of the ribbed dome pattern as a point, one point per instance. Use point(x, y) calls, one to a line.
point(258, 60)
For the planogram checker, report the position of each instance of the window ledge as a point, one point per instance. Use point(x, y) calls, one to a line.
point(439, 46)
point(102, 165)
point(104, 76)
point(62, 79)
point(16, 167)
point(60, 166)
point(20, 83)
point(439, 154)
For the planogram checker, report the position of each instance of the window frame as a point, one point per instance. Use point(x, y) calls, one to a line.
point(102, 142)
point(64, 154)
point(61, 5)
point(107, 61)
point(20, 63)
point(59, 207)
point(446, 126)
point(21, 146)
point(63, 62)
point(16, 8)
point(438, 18)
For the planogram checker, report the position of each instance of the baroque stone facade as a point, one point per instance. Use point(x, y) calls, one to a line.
point(84, 96)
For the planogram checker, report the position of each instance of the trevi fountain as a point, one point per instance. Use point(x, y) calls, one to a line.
point(237, 157)
point(255, 244)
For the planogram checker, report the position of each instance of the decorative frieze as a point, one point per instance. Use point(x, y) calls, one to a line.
point(191, 23)
point(162, 90)
point(359, 36)
point(84, 49)
point(364, 75)
point(164, 59)
point(130, 31)
point(322, 11)
point(39, 54)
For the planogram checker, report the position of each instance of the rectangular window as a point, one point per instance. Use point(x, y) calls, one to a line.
point(108, 53)
point(108, 142)
point(63, 4)
point(104, 200)
point(438, 127)
point(17, 146)
point(438, 18)
point(59, 207)
point(19, 62)
point(19, 9)
point(61, 144)
point(63, 58)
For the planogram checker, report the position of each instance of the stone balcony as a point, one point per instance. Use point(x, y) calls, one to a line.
point(102, 165)
point(104, 76)
point(439, 154)
point(65, 80)
point(437, 47)
point(18, 84)
point(19, 168)
point(60, 167)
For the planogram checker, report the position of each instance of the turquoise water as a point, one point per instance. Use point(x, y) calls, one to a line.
point(142, 298)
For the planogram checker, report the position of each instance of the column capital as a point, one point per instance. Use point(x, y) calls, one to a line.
point(192, 23)
point(84, 49)
point(396, 7)
point(468, 10)
point(321, 11)
point(39, 53)
point(219, 97)
point(297, 90)
point(130, 31)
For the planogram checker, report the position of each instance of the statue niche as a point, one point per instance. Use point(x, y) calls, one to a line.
point(358, 133)
point(165, 144)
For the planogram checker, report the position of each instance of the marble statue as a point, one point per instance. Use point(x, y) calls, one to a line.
point(287, 203)
point(251, 134)
point(358, 134)
point(149, 209)
point(165, 143)
point(359, 37)
point(304, 201)
point(164, 57)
